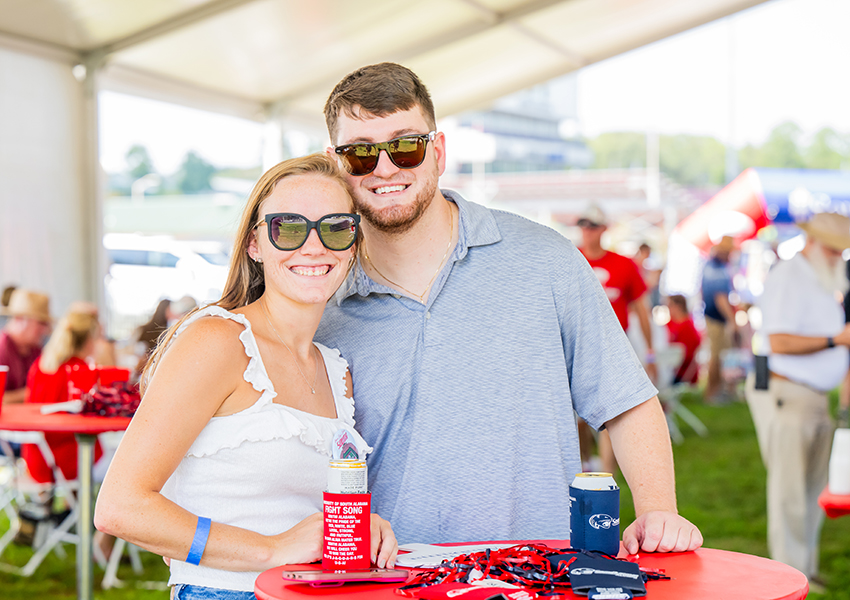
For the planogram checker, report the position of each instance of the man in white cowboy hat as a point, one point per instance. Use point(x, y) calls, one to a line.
point(22, 338)
point(803, 321)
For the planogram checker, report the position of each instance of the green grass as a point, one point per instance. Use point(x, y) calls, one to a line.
point(721, 488)
point(720, 483)
point(56, 578)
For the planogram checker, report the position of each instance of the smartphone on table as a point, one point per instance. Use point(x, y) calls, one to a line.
point(334, 578)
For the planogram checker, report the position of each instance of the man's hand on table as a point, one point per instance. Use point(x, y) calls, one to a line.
point(384, 544)
point(661, 531)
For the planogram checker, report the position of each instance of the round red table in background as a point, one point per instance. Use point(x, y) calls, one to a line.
point(28, 417)
point(834, 505)
point(705, 574)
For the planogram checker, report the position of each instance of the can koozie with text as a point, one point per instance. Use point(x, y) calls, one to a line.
point(595, 520)
point(347, 523)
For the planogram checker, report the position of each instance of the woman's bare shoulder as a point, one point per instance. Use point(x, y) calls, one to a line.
point(213, 337)
point(205, 360)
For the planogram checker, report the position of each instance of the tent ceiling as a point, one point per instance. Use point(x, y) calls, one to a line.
point(249, 57)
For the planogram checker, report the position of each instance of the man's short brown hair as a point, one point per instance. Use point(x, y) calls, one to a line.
point(378, 90)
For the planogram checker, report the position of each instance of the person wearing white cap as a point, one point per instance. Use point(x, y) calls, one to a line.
point(619, 276)
point(803, 321)
point(22, 338)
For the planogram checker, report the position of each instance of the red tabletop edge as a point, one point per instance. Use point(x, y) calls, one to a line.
point(28, 417)
point(700, 575)
point(834, 505)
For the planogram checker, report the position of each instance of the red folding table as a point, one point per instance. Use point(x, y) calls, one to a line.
point(705, 574)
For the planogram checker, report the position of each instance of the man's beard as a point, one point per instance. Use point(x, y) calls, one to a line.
point(399, 219)
point(831, 277)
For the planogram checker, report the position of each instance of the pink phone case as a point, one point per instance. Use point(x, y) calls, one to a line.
point(336, 578)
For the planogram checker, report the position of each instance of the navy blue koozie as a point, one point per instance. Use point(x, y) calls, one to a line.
point(595, 516)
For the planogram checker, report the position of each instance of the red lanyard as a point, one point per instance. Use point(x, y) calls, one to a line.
point(524, 565)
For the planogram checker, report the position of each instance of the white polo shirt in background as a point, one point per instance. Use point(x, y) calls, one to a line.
point(794, 302)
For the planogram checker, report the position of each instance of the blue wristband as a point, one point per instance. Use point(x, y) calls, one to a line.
point(202, 532)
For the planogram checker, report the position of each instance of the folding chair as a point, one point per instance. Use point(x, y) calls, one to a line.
point(17, 493)
point(22, 492)
point(667, 362)
point(110, 577)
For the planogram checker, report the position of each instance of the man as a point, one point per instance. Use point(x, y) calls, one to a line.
point(650, 272)
point(619, 277)
point(804, 324)
point(719, 316)
point(626, 290)
point(22, 338)
point(472, 335)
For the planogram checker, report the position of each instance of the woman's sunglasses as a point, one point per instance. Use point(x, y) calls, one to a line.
point(405, 152)
point(289, 231)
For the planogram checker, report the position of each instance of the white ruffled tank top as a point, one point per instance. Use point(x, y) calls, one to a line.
point(263, 468)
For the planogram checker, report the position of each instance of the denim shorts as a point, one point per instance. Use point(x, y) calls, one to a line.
point(184, 591)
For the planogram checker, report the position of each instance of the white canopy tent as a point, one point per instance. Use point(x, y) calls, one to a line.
point(267, 60)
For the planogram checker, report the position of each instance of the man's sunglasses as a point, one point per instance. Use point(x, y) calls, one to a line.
point(406, 152)
point(289, 231)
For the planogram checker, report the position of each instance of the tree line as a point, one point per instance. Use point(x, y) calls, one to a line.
point(700, 161)
point(690, 160)
point(194, 176)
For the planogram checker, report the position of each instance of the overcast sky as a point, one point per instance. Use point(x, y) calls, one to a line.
point(782, 60)
point(735, 79)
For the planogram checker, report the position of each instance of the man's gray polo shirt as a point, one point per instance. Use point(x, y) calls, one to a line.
point(468, 400)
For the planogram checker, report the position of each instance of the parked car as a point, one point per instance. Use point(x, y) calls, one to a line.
point(145, 269)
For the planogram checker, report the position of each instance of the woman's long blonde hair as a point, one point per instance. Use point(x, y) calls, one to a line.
point(72, 333)
point(245, 279)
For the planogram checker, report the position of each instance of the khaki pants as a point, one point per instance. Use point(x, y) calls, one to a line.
point(795, 434)
point(718, 337)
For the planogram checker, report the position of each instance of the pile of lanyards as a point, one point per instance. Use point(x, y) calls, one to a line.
point(525, 565)
point(121, 399)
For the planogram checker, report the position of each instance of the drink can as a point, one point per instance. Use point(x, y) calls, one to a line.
point(346, 523)
point(347, 508)
point(595, 513)
point(347, 476)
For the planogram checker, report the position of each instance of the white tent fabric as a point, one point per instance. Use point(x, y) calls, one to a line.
point(257, 54)
point(266, 60)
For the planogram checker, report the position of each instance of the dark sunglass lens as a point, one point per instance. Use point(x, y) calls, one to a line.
point(359, 159)
point(408, 152)
point(338, 232)
point(288, 231)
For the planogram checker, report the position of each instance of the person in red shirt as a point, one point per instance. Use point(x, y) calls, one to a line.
point(626, 290)
point(681, 330)
point(619, 277)
point(21, 339)
point(64, 356)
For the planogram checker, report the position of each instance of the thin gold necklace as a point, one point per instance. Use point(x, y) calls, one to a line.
point(307, 381)
point(433, 278)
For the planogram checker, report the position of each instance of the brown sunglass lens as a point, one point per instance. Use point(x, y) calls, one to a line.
point(360, 159)
point(407, 153)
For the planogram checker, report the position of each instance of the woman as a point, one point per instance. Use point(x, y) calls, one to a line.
point(146, 335)
point(240, 406)
point(66, 355)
